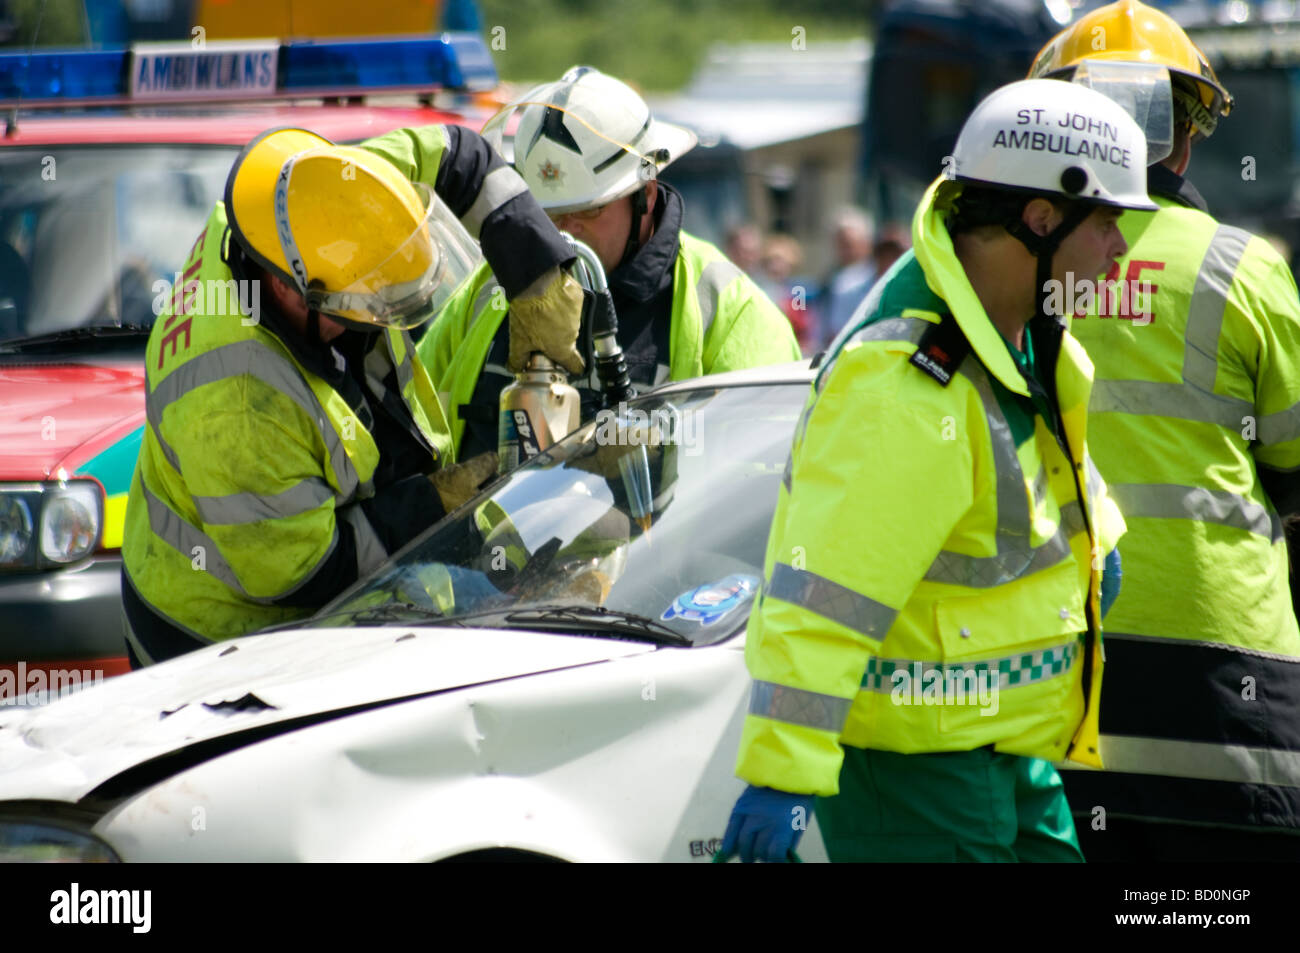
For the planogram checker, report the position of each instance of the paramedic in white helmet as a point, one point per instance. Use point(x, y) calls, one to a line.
point(940, 524)
point(591, 152)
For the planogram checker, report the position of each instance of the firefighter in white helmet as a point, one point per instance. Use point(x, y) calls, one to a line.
point(591, 152)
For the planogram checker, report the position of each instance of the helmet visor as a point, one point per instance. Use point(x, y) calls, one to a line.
point(1146, 93)
point(412, 284)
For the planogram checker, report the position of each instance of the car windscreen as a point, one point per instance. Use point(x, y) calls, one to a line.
point(658, 514)
point(87, 233)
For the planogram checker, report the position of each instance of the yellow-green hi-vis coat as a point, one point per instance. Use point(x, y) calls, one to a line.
point(248, 459)
point(721, 321)
point(931, 584)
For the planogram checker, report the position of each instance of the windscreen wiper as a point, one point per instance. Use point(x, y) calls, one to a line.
point(595, 619)
point(17, 345)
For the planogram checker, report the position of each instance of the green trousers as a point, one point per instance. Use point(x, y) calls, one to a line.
point(952, 806)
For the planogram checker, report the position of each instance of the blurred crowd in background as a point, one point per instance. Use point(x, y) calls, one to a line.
point(818, 303)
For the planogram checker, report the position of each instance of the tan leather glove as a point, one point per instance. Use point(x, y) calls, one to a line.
point(545, 317)
point(459, 483)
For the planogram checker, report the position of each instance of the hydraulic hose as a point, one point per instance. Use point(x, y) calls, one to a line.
point(611, 367)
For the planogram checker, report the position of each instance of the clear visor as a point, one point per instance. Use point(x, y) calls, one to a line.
point(412, 284)
point(1146, 93)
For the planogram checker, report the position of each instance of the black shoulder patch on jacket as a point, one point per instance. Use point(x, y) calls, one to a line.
point(941, 350)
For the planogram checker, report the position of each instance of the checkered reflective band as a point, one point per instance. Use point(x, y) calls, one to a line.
point(1013, 671)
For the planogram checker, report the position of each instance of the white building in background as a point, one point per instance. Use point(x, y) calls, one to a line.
point(780, 136)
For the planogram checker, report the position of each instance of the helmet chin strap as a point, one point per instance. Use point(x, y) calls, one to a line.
point(1043, 247)
point(313, 325)
point(639, 207)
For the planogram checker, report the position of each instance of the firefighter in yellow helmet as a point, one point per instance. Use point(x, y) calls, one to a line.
point(928, 634)
point(293, 437)
point(1194, 424)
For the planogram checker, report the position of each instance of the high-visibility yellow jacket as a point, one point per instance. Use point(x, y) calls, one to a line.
point(249, 459)
point(721, 321)
point(1197, 390)
point(932, 575)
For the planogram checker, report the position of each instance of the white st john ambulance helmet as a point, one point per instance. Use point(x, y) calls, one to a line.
point(1054, 138)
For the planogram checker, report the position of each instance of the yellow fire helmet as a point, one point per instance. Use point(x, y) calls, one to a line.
point(1132, 32)
point(343, 226)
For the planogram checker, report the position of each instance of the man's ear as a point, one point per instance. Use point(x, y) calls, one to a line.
point(1040, 216)
point(285, 296)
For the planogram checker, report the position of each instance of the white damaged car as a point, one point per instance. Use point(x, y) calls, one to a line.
point(553, 672)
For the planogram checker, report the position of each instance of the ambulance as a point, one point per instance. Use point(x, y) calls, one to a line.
point(110, 163)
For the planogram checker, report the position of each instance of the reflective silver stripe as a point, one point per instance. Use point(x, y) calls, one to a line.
point(1014, 524)
point(1203, 760)
point(893, 329)
point(133, 640)
point(377, 364)
point(370, 551)
point(1092, 479)
point(1039, 489)
point(499, 187)
point(798, 707)
point(1012, 671)
point(826, 598)
point(256, 360)
point(985, 572)
point(1209, 299)
point(713, 280)
point(1193, 397)
point(1170, 501)
point(405, 369)
point(484, 298)
point(253, 507)
point(1015, 558)
point(1180, 401)
point(869, 305)
point(192, 542)
point(788, 472)
point(1279, 427)
point(890, 329)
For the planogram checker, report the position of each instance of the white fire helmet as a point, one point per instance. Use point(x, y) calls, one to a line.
point(587, 140)
point(1055, 138)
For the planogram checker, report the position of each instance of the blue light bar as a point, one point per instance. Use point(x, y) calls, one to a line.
point(64, 74)
point(453, 61)
point(177, 72)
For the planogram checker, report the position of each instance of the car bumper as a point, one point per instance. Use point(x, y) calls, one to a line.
point(67, 614)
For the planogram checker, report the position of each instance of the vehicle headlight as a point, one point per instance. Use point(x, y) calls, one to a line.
point(41, 841)
point(70, 522)
point(15, 529)
point(49, 524)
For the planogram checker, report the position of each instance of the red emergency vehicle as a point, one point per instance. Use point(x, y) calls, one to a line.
point(109, 166)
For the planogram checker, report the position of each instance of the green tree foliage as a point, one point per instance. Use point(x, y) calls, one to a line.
point(52, 22)
point(655, 45)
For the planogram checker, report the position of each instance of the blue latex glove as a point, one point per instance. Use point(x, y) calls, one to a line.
point(1111, 576)
point(766, 825)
